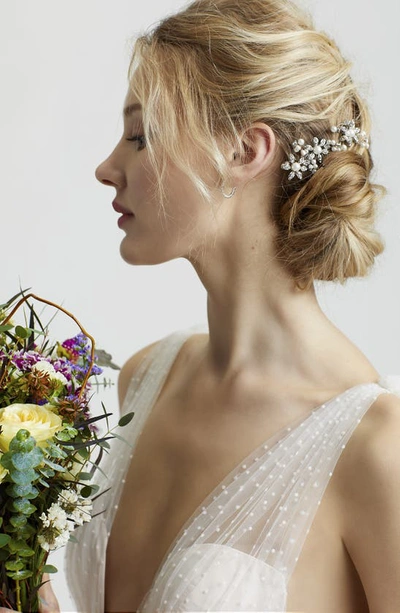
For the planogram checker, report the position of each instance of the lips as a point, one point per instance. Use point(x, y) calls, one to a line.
point(121, 209)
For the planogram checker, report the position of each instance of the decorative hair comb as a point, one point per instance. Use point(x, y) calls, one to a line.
point(310, 157)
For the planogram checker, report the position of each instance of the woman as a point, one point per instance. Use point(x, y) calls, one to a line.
point(267, 469)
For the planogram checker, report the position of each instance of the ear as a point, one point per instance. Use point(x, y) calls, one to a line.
point(260, 146)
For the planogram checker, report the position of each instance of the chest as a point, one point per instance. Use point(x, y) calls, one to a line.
point(179, 459)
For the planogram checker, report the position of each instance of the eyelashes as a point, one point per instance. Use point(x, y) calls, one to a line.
point(140, 139)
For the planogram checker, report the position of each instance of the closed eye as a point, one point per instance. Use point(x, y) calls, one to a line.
point(141, 140)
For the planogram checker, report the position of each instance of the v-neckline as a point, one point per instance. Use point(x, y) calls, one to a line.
point(294, 423)
point(277, 436)
point(244, 462)
point(291, 426)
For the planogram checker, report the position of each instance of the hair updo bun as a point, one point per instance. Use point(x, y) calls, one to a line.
point(326, 226)
point(213, 69)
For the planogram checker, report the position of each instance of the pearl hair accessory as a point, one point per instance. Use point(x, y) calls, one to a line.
point(310, 157)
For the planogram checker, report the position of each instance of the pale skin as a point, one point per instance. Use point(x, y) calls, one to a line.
point(263, 329)
point(264, 333)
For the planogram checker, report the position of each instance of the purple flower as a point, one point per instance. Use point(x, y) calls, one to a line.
point(64, 366)
point(24, 360)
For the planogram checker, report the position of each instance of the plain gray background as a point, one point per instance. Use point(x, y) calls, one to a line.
point(63, 81)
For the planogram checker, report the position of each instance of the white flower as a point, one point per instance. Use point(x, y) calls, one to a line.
point(54, 543)
point(82, 512)
point(67, 497)
point(45, 520)
point(46, 367)
point(55, 532)
point(57, 517)
point(77, 508)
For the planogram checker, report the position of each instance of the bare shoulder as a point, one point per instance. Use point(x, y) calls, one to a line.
point(374, 441)
point(187, 352)
point(370, 501)
point(129, 368)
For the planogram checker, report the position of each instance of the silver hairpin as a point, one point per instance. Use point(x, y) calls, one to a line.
point(309, 157)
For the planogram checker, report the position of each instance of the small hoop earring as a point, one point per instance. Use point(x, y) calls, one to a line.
point(228, 195)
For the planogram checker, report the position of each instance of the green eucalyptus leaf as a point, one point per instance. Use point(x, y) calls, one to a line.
point(23, 435)
point(15, 544)
point(63, 435)
point(18, 521)
point(67, 433)
point(4, 539)
point(22, 441)
point(23, 477)
point(83, 476)
point(22, 505)
point(21, 332)
point(22, 461)
point(54, 451)
point(5, 460)
point(20, 547)
point(84, 453)
point(22, 491)
point(26, 532)
point(126, 419)
point(49, 568)
point(27, 552)
point(46, 472)
point(4, 554)
point(54, 466)
point(14, 565)
point(88, 490)
point(20, 574)
point(36, 456)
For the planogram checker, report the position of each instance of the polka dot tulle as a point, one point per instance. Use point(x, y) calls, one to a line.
point(239, 548)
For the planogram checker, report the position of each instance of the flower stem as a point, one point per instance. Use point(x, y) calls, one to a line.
point(18, 590)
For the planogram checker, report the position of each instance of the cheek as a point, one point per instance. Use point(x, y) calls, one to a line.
point(139, 181)
point(187, 221)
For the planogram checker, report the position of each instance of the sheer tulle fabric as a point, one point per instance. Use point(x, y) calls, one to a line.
point(239, 548)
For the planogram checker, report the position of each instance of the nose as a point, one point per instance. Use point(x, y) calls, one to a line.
point(108, 173)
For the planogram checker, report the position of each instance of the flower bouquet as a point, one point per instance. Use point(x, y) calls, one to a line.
point(47, 441)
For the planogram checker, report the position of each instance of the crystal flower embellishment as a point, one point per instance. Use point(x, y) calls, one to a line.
point(309, 157)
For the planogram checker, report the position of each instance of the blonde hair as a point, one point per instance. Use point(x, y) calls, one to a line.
point(211, 70)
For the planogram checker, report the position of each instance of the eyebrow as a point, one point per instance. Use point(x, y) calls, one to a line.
point(131, 108)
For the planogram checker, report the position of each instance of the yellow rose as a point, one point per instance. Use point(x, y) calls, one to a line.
point(41, 422)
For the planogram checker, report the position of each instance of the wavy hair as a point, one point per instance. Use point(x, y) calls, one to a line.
point(211, 70)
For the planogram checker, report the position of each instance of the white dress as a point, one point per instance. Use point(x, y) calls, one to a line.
point(239, 548)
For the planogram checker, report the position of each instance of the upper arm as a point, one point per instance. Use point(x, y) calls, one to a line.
point(372, 502)
point(128, 370)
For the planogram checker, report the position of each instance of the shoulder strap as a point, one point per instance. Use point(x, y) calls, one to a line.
point(153, 369)
point(313, 451)
point(90, 550)
point(143, 390)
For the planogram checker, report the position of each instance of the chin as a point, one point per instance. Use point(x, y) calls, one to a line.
point(135, 257)
point(130, 257)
